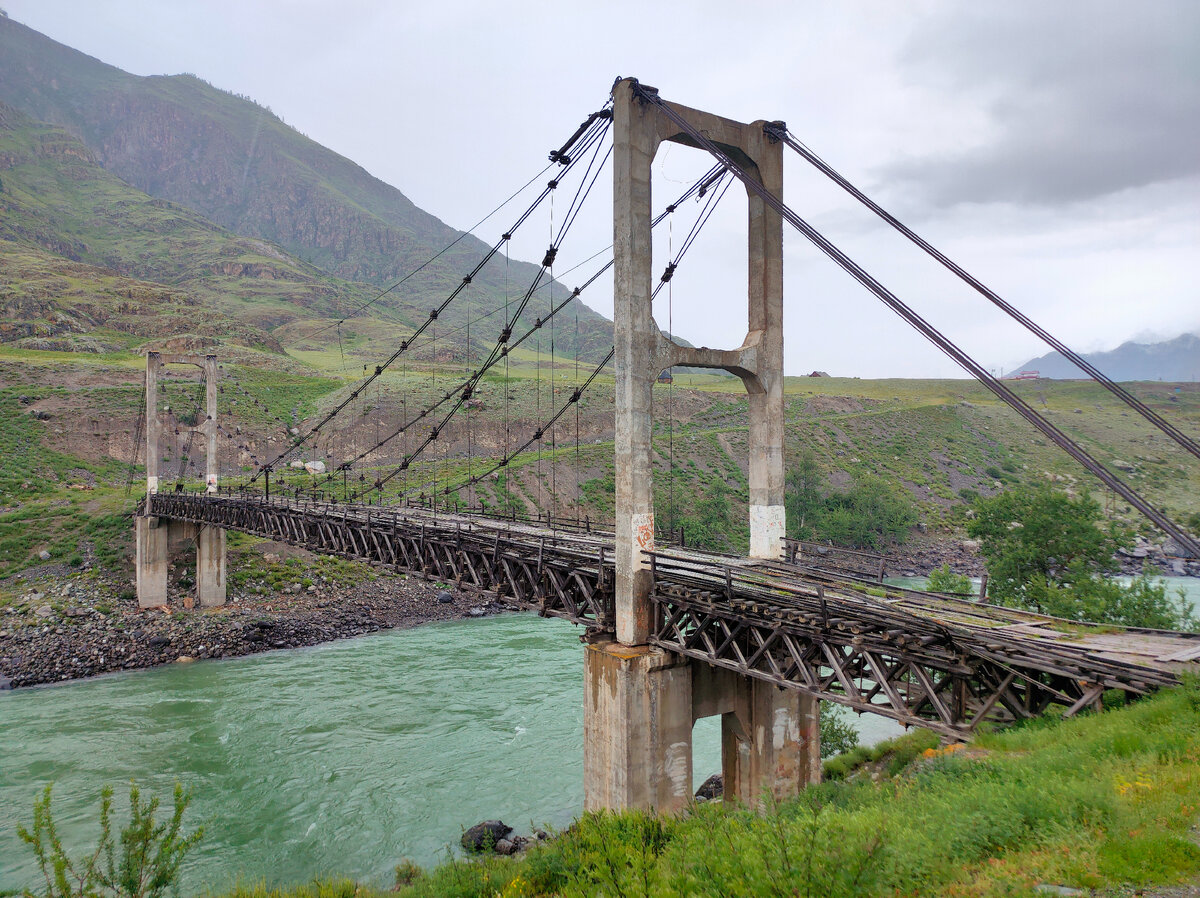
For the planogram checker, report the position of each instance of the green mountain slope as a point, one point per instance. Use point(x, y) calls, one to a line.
point(80, 243)
point(240, 166)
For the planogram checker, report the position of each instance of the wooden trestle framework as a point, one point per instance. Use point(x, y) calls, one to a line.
point(924, 660)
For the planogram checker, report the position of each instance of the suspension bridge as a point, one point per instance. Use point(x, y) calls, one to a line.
point(672, 634)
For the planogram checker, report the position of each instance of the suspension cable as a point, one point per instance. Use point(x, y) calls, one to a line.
point(927, 330)
point(1081, 362)
point(593, 136)
point(503, 345)
point(701, 187)
point(550, 422)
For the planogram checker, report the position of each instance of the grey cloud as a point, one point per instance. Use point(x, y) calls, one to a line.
point(1086, 99)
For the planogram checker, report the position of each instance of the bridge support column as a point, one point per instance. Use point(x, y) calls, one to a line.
point(637, 729)
point(152, 538)
point(157, 538)
point(770, 737)
point(771, 744)
point(210, 567)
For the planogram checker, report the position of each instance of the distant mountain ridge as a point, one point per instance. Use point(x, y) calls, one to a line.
point(1169, 360)
point(241, 167)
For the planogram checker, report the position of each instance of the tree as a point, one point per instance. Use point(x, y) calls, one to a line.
point(1045, 550)
point(870, 513)
point(707, 523)
point(802, 495)
point(1032, 534)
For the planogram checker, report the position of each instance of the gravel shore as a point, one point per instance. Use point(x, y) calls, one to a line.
point(62, 626)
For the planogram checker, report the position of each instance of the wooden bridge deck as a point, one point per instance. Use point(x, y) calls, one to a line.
point(922, 659)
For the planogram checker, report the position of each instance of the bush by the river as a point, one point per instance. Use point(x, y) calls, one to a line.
point(143, 861)
point(1101, 801)
point(1051, 551)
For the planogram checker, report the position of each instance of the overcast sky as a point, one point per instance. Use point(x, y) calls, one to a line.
point(1049, 147)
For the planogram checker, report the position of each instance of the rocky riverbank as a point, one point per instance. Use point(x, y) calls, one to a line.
point(61, 625)
point(923, 553)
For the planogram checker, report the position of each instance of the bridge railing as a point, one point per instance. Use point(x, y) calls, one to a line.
point(835, 560)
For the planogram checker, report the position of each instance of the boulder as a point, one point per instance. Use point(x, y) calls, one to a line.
point(314, 467)
point(485, 836)
point(712, 788)
point(445, 597)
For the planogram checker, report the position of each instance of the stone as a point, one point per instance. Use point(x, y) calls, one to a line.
point(711, 788)
point(5, 684)
point(44, 555)
point(445, 597)
point(157, 642)
point(486, 835)
point(43, 611)
point(505, 846)
point(184, 659)
point(477, 611)
point(1057, 890)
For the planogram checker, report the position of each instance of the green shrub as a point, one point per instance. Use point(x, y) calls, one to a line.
point(838, 735)
point(146, 865)
point(944, 580)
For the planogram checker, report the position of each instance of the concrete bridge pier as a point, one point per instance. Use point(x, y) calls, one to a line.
point(157, 539)
point(640, 705)
point(641, 702)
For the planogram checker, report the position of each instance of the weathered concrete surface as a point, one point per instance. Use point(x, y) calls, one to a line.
point(770, 737)
point(642, 350)
point(210, 567)
point(634, 334)
point(771, 743)
point(637, 728)
point(151, 536)
point(640, 704)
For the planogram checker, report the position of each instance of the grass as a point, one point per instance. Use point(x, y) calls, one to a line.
point(1104, 801)
point(250, 570)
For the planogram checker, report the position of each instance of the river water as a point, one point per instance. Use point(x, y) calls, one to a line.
point(339, 759)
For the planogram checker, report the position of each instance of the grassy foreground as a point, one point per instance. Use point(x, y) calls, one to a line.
point(1107, 802)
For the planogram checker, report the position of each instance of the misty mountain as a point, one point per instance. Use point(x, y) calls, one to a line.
point(238, 165)
point(1170, 360)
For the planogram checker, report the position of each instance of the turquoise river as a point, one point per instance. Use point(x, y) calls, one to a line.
point(340, 759)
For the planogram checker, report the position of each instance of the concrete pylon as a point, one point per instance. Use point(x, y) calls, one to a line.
point(636, 751)
point(154, 536)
